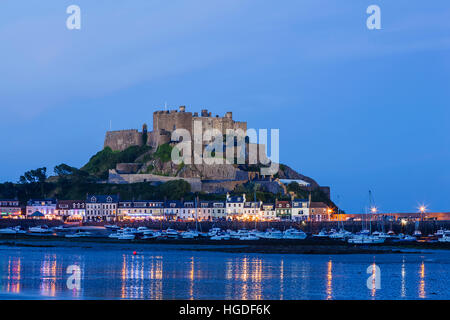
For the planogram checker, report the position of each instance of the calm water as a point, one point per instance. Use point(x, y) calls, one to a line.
point(115, 273)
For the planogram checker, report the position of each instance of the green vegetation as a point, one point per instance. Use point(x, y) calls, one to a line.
point(180, 167)
point(149, 169)
point(164, 153)
point(70, 187)
point(34, 176)
point(107, 159)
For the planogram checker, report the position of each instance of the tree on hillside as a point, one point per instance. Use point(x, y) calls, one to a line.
point(34, 176)
point(64, 170)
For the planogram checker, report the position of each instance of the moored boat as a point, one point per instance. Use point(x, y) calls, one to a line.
point(111, 227)
point(294, 234)
point(8, 231)
point(40, 229)
point(79, 234)
point(126, 236)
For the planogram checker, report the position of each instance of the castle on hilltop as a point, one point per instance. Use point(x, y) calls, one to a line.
point(164, 123)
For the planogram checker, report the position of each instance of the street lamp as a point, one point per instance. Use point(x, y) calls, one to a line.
point(329, 211)
point(422, 210)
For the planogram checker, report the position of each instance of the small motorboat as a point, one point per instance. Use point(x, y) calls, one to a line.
point(249, 237)
point(149, 234)
point(294, 234)
point(364, 239)
point(142, 230)
point(214, 231)
point(112, 227)
point(417, 233)
point(8, 231)
point(239, 234)
point(60, 228)
point(19, 230)
point(79, 234)
point(190, 234)
point(445, 237)
point(340, 235)
point(171, 233)
point(114, 235)
point(126, 236)
point(273, 234)
point(321, 235)
point(40, 229)
point(223, 236)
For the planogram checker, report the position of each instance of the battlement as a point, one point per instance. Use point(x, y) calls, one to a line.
point(167, 121)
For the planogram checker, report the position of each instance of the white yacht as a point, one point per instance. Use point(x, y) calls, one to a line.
point(149, 234)
point(112, 227)
point(221, 236)
point(79, 234)
point(190, 234)
point(40, 229)
point(249, 237)
point(365, 239)
point(322, 234)
point(273, 234)
point(417, 233)
point(294, 234)
point(239, 234)
point(142, 230)
point(408, 238)
point(340, 235)
point(445, 236)
point(130, 230)
point(380, 234)
point(171, 233)
point(214, 231)
point(115, 235)
point(126, 236)
point(60, 228)
point(8, 231)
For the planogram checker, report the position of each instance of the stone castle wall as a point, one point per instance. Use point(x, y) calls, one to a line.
point(122, 139)
point(165, 122)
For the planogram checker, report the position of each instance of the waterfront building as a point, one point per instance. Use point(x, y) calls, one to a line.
point(73, 210)
point(218, 210)
point(172, 209)
point(211, 210)
point(10, 208)
point(187, 211)
point(300, 209)
point(267, 212)
point(140, 210)
point(318, 211)
point(283, 209)
point(204, 210)
point(101, 207)
point(46, 207)
point(251, 210)
point(235, 206)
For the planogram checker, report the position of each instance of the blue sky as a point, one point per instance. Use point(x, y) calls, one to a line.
point(357, 109)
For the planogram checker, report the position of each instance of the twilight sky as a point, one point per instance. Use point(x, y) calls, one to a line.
point(357, 109)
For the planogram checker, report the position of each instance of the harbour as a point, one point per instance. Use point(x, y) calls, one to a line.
point(114, 272)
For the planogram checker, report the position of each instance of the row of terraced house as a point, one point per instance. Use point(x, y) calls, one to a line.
point(111, 208)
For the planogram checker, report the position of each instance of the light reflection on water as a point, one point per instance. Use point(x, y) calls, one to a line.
point(422, 293)
point(117, 274)
point(329, 280)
